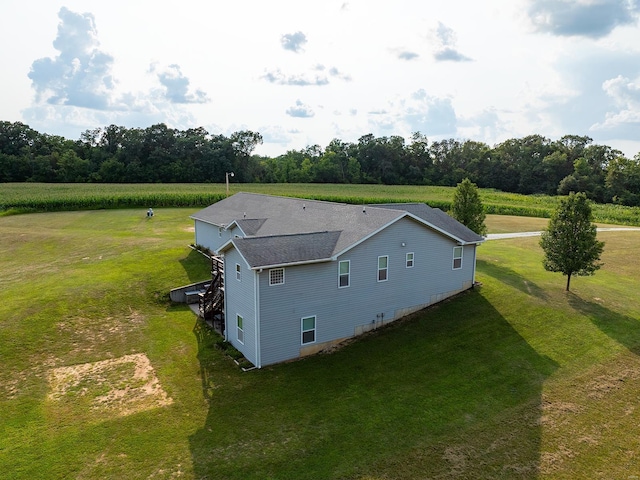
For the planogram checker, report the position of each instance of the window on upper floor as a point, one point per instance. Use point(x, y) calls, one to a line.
point(308, 325)
point(409, 260)
point(238, 272)
point(457, 258)
point(276, 276)
point(344, 273)
point(383, 268)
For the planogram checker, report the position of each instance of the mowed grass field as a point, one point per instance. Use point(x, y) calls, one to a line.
point(102, 377)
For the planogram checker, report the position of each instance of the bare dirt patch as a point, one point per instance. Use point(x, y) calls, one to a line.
point(86, 334)
point(603, 385)
point(556, 413)
point(112, 388)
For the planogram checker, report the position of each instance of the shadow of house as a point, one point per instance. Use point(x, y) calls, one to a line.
point(445, 392)
point(207, 339)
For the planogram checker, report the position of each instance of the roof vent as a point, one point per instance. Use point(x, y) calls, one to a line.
point(304, 206)
point(364, 209)
point(244, 215)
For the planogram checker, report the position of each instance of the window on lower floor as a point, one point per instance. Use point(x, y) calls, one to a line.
point(240, 329)
point(276, 276)
point(308, 330)
point(383, 268)
point(344, 269)
point(410, 260)
point(457, 258)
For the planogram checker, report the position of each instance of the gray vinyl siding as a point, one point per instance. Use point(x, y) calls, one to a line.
point(312, 289)
point(306, 292)
point(212, 236)
point(240, 300)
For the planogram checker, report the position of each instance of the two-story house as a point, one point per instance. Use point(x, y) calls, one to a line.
point(302, 275)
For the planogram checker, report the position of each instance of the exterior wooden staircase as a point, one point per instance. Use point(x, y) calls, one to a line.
point(211, 302)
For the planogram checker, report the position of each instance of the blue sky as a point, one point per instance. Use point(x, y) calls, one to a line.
point(303, 73)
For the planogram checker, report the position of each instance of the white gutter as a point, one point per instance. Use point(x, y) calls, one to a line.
point(292, 264)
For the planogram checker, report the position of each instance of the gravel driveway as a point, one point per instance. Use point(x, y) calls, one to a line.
point(500, 236)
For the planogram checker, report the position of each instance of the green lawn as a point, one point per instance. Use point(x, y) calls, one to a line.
point(515, 379)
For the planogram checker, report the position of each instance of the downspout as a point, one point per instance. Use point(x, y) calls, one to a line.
point(475, 251)
point(195, 232)
point(224, 275)
point(256, 307)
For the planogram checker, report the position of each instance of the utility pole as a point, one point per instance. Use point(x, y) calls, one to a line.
point(227, 179)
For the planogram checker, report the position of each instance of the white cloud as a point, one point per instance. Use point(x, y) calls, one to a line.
point(419, 112)
point(485, 126)
point(293, 41)
point(430, 115)
point(623, 91)
point(276, 135)
point(300, 110)
point(176, 85)
point(602, 104)
point(317, 76)
point(334, 72)
point(80, 74)
point(446, 41)
point(299, 80)
point(587, 18)
point(626, 96)
point(403, 54)
point(463, 69)
point(76, 88)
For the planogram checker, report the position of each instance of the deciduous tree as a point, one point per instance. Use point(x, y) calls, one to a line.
point(467, 207)
point(570, 241)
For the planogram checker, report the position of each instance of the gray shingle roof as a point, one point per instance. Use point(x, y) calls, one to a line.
point(251, 226)
point(439, 219)
point(283, 230)
point(287, 249)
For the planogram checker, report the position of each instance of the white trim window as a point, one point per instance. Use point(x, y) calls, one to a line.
point(383, 268)
point(344, 273)
point(238, 272)
point(240, 329)
point(276, 276)
point(457, 258)
point(409, 260)
point(308, 330)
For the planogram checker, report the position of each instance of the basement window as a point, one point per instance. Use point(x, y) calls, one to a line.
point(308, 330)
point(240, 330)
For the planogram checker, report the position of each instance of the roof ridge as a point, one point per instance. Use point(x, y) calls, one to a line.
point(325, 202)
point(299, 199)
point(290, 234)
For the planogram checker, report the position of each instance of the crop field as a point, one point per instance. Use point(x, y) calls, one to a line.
point(46, 197)
point(103, 377)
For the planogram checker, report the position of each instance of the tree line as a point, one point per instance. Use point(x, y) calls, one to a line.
point(530, 165)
